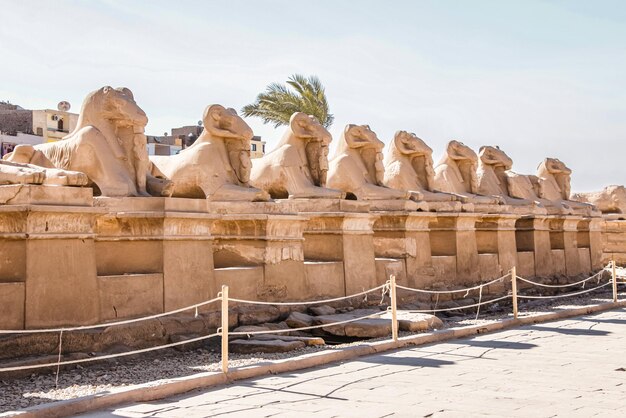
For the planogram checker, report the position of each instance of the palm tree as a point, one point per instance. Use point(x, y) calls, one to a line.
point(279, 102)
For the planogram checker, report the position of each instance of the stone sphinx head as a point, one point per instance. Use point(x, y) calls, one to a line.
point(466, 161)
point(221, 122)
point(553, 168)
point(224, 124)
point(116, 105)
point(408, 146)
point(495, 157)
point(316, 139)
point(361, 139)
point(458, 151)
point(308, 129)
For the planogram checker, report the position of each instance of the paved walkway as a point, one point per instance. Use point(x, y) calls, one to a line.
point(570, 368)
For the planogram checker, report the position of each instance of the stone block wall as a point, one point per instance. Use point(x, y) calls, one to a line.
point(104, 259)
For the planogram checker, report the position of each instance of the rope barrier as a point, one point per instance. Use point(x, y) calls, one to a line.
point(108, 356)
point(109, 324)
point(387, 288)
point(460, 307)
point(480, 298)
point(561, 285)
point(332, 324)
point(566, 294)
point(316, 302)
point(466, 290)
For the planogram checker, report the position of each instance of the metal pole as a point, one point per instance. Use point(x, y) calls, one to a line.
point(514, 290)
point(614, 280)
point(224, 331)
point(394, 308)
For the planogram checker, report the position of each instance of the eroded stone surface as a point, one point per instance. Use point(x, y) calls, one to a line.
point(322, 310)
point(409, 166)
point(357, 167)
point(298, 166)
point(108, 145)
point(217, 166)
point(364, 328)
point(264, 346)
point(415, 322)
point(611, 199)
point(299, 320)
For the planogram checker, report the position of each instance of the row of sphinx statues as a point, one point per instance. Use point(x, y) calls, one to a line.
point(107, 151)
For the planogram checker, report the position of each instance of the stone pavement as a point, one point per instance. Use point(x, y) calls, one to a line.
point(569, 368)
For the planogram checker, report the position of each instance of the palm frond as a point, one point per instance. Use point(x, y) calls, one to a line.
point(278, 102)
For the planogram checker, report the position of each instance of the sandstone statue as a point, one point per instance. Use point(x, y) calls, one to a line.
point(108, 145)
point(298, 167)
point(523, 187)
point(611, 199)
point(357, 167)
point(409, 166)
point(495, 178)
point(217, 166)
point(456, 173)
point(17, 173)
point(555, 187)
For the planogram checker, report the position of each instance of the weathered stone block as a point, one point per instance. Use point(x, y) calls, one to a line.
point(526, 263)
point(130, 295)
point(585, 260)
point(242, 282)
point(187, 273)
point(385, 267)
point(558, 261)
point(64, 289)
point(12, 305)
point(445, 268)
point(324, 279)
point(489, 266)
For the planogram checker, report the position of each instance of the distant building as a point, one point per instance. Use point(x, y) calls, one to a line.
point(25, 126)
point(163, 145)
point(53, 124)
point(187, 134)
point(257, 147)
point(184, 136)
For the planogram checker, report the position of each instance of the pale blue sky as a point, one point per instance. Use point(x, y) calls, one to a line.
point(538, 78)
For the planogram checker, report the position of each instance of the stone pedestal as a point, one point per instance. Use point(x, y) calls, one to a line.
point(166, 242)
point(273, 242)
point(454, 235)
point(596, 250)
point(570, 245)
point(495, 234)
point(405, 236)
point(400, 205)
point(613, 239)
point(346, 237)
point(532, 233)
point(188, 274)
point(48, 257)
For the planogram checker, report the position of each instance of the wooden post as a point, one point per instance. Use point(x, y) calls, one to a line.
point(224, 328)
point(394, 308)
point(514, 290)
point(614, 274)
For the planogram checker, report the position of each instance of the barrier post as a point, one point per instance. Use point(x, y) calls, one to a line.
point(224, 331)
point(514, 289)
point(614, 274)
point(394, 308)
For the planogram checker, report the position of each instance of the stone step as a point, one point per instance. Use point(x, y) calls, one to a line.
point(415, 322)
point(364, 328)
point(309, 341)
point(264, 346)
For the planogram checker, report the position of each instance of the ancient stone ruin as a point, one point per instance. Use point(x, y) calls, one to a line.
point(92, 230)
